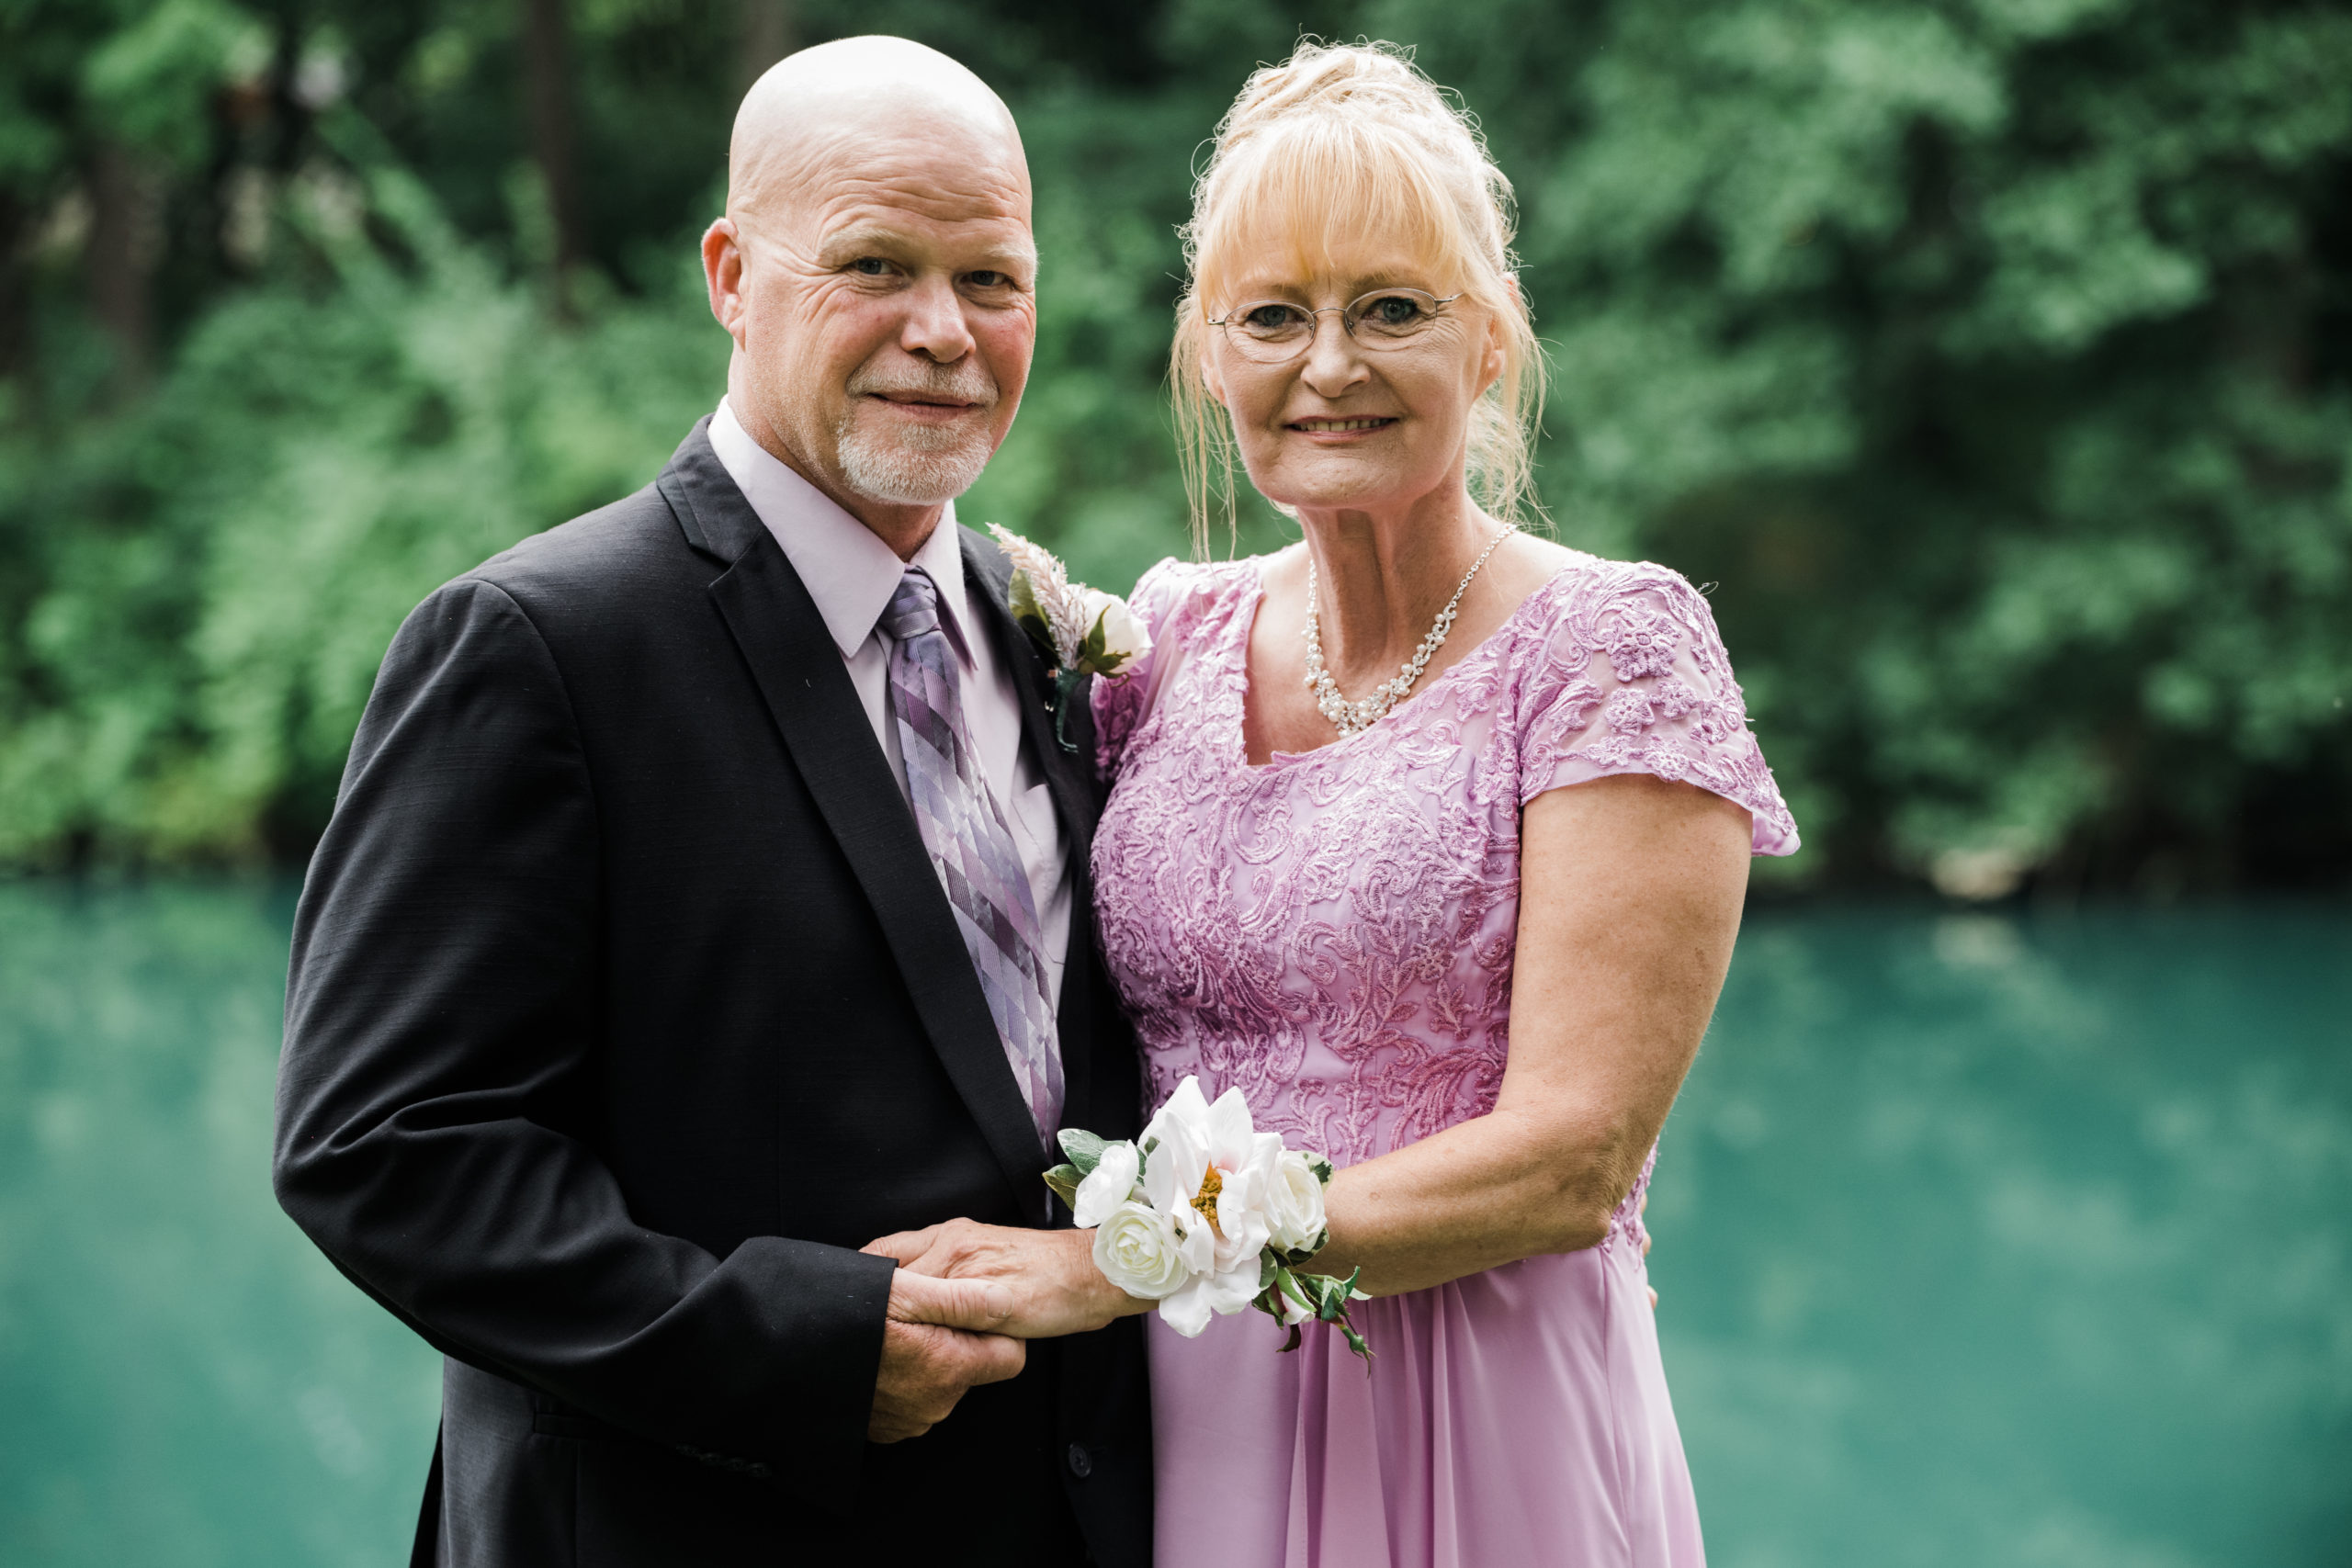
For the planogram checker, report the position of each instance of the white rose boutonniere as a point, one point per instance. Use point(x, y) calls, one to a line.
point(1081, 631)
point(1211, 1243)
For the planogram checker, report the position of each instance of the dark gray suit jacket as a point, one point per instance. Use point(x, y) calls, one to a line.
point(625, 1007)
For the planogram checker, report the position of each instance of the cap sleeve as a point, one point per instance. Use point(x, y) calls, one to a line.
point(1633, 678)
point(1122, 703)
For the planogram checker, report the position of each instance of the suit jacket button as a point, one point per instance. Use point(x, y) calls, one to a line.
point(1081, 1463)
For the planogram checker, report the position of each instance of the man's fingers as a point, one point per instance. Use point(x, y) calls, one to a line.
point(890, 1429)
point(981, 1306)
point(997, 1357)
point(903, 1245)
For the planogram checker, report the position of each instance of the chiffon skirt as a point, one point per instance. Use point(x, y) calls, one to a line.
point(1517, 1418)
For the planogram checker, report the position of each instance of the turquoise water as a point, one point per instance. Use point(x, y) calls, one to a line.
point(1981, 1241)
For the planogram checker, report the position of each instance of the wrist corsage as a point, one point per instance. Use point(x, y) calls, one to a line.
point(1205, 1215)
point(1081, 631)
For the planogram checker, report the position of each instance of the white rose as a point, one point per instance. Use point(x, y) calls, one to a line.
point(1295, 1207)
point(1137, 1249)
point(1108, 1185)
point(1123, 639)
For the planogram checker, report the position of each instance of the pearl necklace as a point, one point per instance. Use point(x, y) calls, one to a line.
point(1354, 718)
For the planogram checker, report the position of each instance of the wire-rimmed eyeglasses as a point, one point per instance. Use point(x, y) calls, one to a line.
point(1271, 331)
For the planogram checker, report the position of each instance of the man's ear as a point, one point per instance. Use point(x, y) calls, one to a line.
point(722, 272)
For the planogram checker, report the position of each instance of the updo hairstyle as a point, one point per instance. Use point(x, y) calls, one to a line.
point(1338, 142)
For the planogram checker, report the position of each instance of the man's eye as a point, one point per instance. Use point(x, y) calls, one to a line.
point(985, 279)
point(869, 266)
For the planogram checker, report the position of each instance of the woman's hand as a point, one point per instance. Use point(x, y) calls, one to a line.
point(1630, 896)
point(1050, 1284)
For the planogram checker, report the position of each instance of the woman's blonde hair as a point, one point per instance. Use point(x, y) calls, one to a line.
point(1338, 142)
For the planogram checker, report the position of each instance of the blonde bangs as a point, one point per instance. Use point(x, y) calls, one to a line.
point(1303, 200)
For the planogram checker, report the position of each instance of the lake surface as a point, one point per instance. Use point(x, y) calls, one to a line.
point(1982, 1241)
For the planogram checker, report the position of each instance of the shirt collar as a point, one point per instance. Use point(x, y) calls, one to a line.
point(849, 571)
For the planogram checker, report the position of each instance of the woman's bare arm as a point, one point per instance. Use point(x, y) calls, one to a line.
point(1630, 896)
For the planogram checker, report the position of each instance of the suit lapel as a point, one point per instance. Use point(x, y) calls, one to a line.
point(800, 673)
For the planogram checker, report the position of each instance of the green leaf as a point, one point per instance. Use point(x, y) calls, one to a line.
point(1064, 1180)
point(1298, 1255)
point(1021, 600)
point(1084, 1148)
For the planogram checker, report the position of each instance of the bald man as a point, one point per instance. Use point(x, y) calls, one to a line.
point(706, 899)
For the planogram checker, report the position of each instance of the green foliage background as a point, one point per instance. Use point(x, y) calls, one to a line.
point(1994, 357)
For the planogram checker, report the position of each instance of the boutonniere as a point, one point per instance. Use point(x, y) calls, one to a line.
point(1081, 631)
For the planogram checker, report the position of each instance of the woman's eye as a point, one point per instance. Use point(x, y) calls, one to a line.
point(1395, 310)
point(1270, 318)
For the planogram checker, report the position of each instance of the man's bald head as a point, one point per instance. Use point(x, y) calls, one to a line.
point(839, 103)
point(876, 270)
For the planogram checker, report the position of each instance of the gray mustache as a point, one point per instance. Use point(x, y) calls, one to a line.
point(959, 387)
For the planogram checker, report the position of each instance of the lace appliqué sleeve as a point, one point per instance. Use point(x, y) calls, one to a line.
point(1634, 679)
point(1122, 704)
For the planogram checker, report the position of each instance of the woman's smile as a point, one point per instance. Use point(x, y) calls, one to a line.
point(1357, 426)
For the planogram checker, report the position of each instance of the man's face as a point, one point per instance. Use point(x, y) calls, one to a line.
point(881, 293)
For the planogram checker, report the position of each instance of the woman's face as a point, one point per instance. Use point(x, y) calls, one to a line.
point(1352, 422)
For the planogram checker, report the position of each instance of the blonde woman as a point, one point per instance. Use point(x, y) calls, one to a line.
point(1431, 835)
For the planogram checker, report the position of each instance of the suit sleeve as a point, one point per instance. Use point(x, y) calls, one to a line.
point(440, 1026)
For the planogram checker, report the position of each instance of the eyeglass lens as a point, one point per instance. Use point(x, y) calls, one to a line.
point(1385, 318)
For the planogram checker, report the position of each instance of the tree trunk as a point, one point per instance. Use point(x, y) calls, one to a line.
point(125, 242)
point(770, 31)
point(546, 65)
point(16, 217)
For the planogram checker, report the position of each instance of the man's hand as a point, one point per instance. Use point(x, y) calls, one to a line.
point(1047, 1281)
point(939, 1338)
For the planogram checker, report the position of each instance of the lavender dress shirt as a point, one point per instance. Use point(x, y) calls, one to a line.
point(850, 574)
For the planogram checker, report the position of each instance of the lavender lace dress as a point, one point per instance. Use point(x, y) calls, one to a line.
point(1333, 933)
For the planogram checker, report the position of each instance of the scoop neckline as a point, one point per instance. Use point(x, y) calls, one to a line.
point(1248, 620)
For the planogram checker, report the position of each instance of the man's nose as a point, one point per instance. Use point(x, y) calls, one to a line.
point(934, 325)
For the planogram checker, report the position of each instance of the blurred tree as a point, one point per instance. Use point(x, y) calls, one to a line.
point(769, 33)
point(1994, 356)
point(547, 68)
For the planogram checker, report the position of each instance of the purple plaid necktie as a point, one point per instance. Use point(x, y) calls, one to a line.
point(971, 846)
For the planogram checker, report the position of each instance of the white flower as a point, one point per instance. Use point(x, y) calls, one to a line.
point(1187, 1311)
point(1123, 639)
point(1294, 1207)
point(1109, 1184)
point(1138, 1250)
point(1212, 1173)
